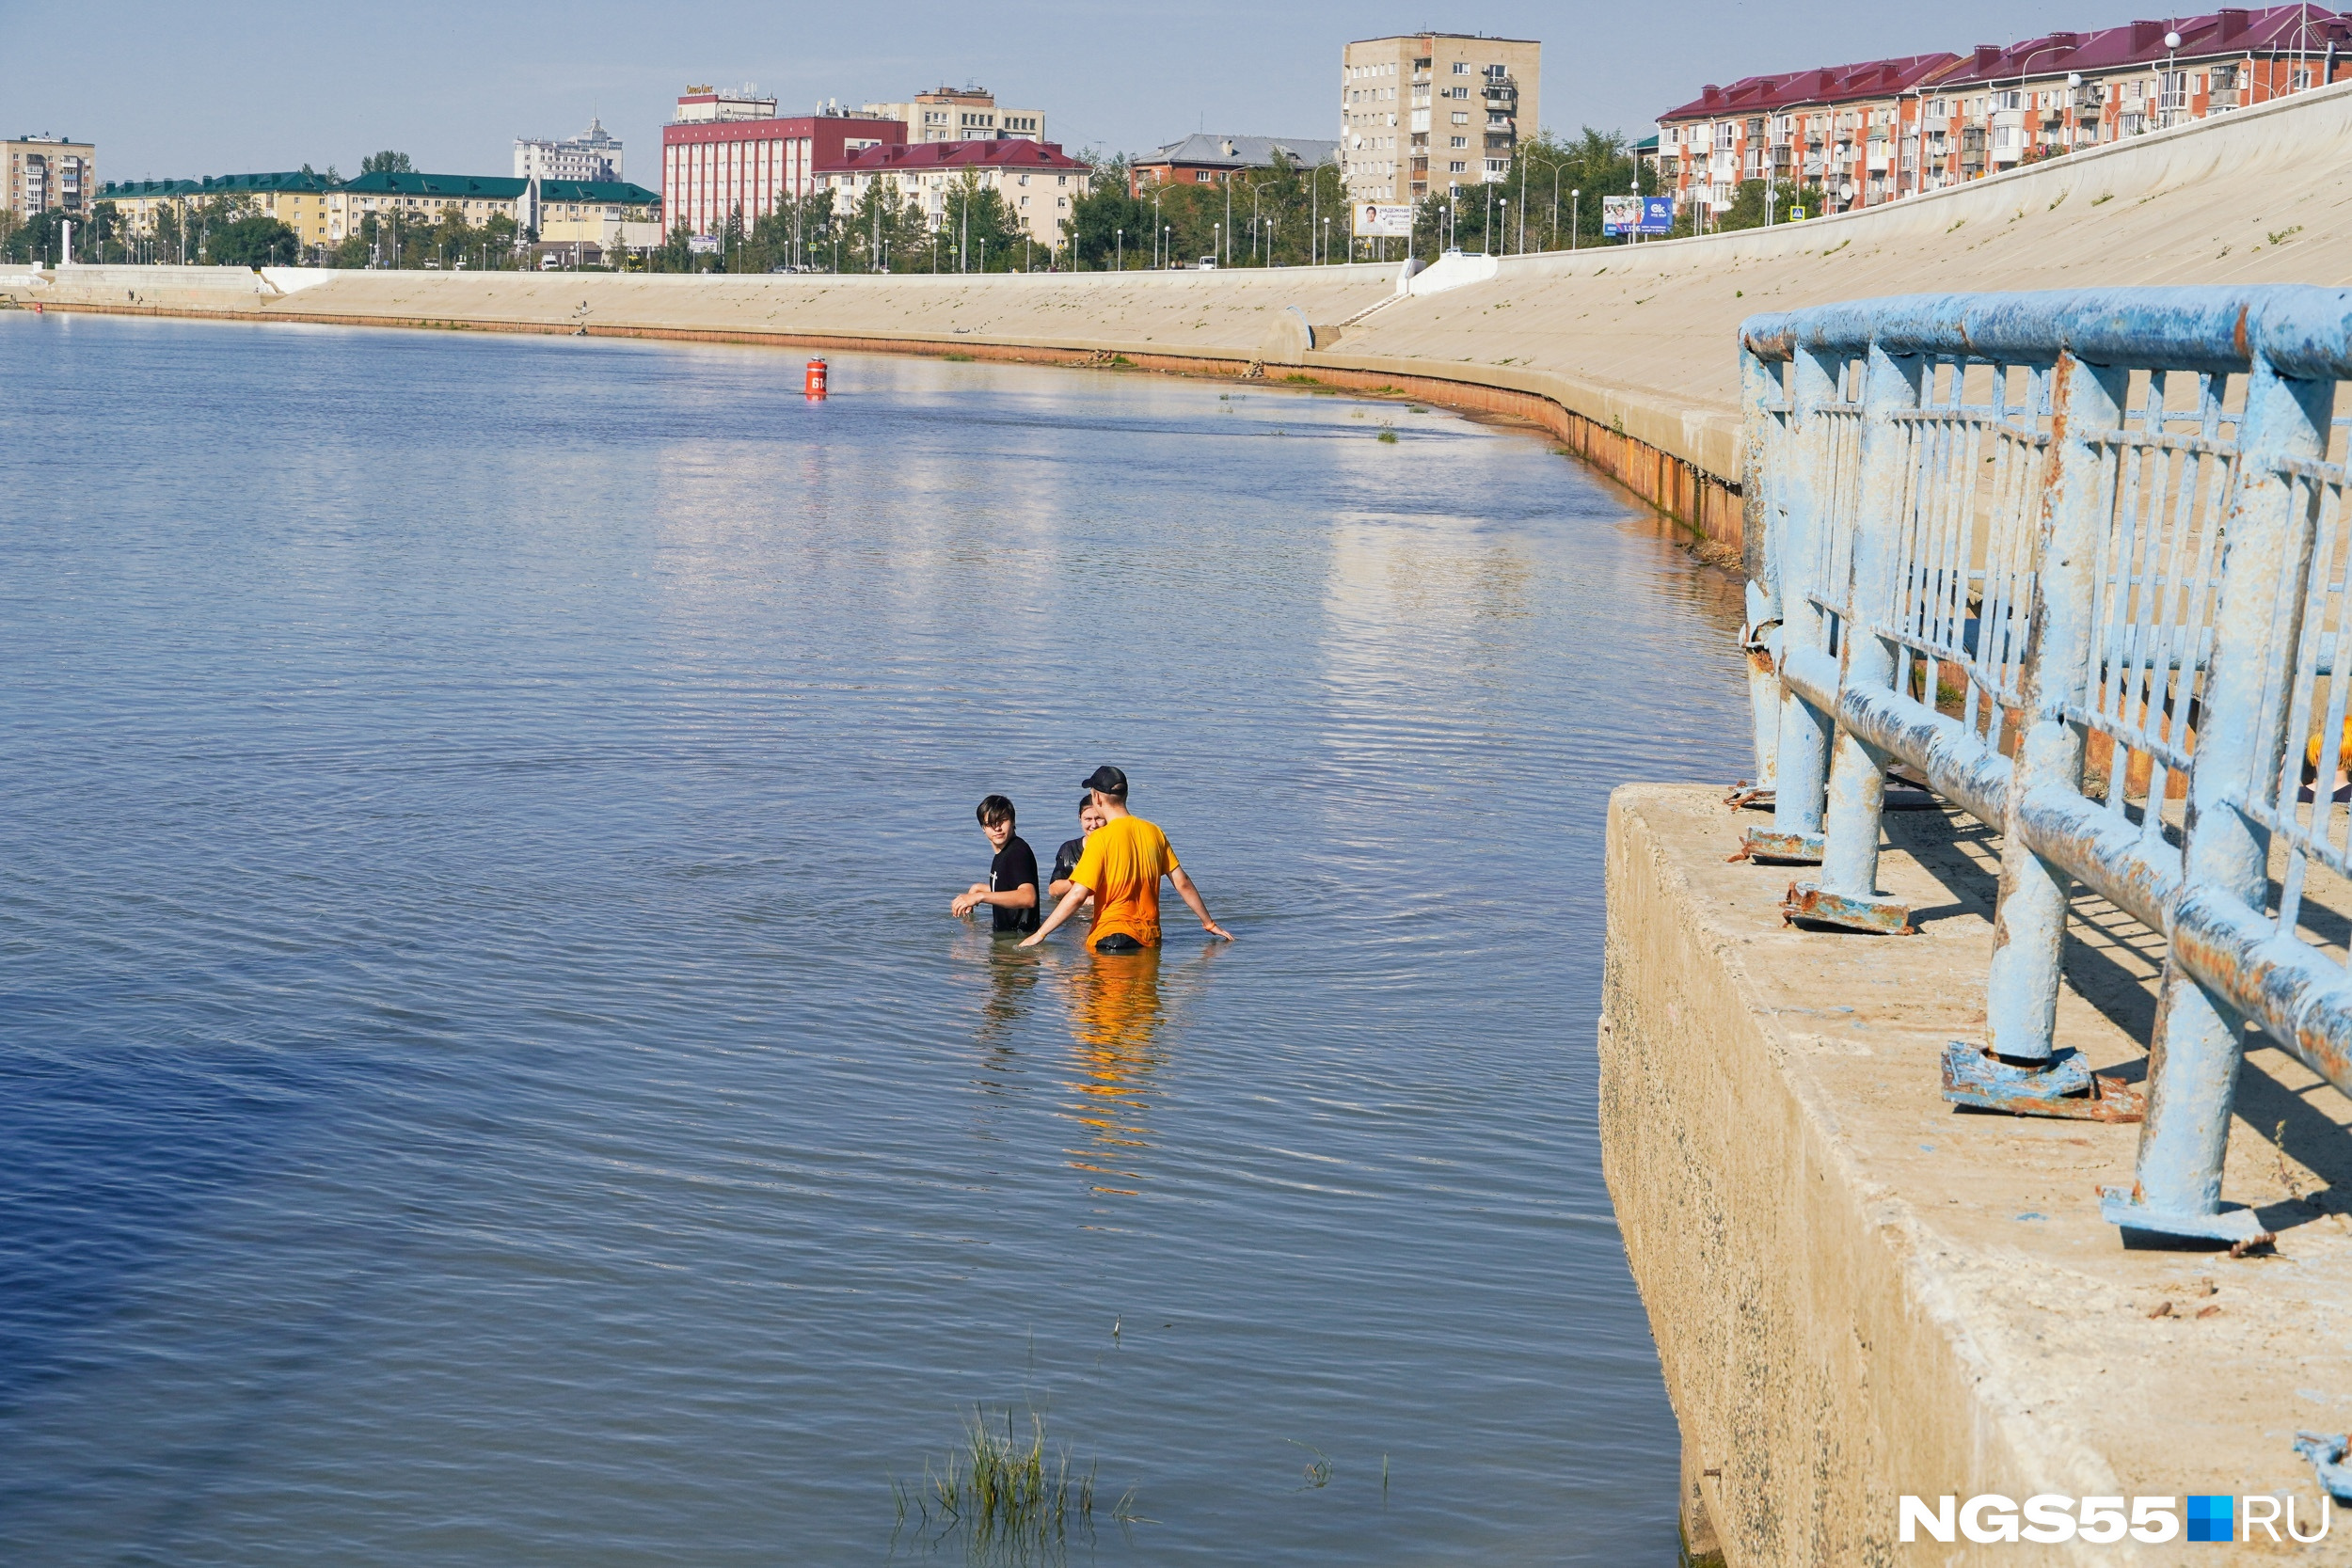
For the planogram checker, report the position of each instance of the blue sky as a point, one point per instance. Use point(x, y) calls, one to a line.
point(174, 89)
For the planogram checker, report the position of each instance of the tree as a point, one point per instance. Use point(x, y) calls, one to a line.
point(978, 231)
point(254, 241)
point(1106, 227)
point(883, 234)
point(387, 163)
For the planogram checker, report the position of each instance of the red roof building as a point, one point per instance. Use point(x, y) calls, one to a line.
point(715, 168)
point(1038, 180)
point(1860, 134)
point(1824, 132)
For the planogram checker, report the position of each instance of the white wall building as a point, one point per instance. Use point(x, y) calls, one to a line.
point(594, 155)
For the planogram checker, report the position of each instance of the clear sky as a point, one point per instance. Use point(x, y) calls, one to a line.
point(167, 87)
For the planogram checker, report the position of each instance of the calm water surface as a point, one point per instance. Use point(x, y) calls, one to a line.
point(486, 1072)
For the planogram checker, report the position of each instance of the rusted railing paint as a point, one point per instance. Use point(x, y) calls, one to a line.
point(2029, 495)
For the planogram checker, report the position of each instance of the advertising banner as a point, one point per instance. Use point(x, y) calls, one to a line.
point(1637, 214)
point(1378, 220)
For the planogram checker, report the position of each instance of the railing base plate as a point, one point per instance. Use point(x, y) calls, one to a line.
point(2327, 1456)
point(1884, 916)
point(2067, 1088)
point(1759, 843)
point(2237, 1226)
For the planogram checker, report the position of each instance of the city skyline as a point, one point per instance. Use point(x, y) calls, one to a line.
point(535, 71)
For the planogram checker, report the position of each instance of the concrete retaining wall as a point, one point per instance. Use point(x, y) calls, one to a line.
point(1859, 1292)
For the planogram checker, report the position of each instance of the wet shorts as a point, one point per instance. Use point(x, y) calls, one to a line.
point(1118, 941)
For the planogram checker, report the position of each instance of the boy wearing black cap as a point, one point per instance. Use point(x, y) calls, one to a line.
point(1122, 867)
point(1010, 891)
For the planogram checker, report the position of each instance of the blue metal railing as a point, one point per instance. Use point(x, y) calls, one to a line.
point(2079, 562)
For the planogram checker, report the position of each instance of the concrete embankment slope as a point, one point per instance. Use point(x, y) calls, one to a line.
point(1627, 352)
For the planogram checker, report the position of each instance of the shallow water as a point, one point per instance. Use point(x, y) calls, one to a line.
point(489, 1077)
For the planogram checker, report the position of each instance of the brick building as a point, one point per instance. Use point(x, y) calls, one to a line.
point(1203, 159)
point(1855, 136)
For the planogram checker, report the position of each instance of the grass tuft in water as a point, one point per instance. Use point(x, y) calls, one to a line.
point(1012, 1495)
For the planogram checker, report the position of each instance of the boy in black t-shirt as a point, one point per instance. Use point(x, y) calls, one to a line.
point(1010, 891)
point(1066, 858)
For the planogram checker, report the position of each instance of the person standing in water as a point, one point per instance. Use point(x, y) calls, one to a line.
point(1066, 858)
point(1124, 860)
point(1010, 891)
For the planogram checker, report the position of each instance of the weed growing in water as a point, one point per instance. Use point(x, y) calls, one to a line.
point(1318, 1469)
point(1388, 434)
point(1014, 1496)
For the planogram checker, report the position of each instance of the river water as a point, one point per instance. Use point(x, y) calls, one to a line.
point(487, 1075)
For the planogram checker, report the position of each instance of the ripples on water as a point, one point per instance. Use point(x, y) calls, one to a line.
point(488, 1074)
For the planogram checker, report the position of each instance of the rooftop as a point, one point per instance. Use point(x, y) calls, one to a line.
point(1008, 154)
point(1204, 151)
point(1835, 83)
point(2273, 29)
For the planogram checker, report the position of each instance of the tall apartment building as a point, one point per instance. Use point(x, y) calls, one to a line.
point(728, 153)
point(1424, 112)
point(1844, 137)
point(962, 114)
point(46, 171)
point(594, 155)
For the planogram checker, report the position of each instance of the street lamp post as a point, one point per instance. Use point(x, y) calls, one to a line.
point(1575, 197)
point(1119, 243)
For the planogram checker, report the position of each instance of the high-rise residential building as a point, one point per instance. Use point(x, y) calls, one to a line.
point(1422, 112)
point(963, 114)
point(46, 171)
point(594, 155)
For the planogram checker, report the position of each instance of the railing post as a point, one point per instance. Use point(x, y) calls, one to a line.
point(2019, 1066)
point(1801, 492)
point(2193, 1060)
point(1847, 894)
point(1764, 447)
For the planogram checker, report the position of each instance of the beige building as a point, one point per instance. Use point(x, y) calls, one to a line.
point(1038, 180)
point(49, 171)
point(963, 114)
point(1422, 112)
point(303, 203)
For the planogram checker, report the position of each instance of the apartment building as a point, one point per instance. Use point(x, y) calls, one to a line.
point(962, 114)
point(2003, 106)
point(727, 154)
point(1424, 112)
point(1830, 133)
point(46, 171)
point(298, 199)
point(595, 154)
point(1203, 159)
point(1038, 180)
point(1859, 134)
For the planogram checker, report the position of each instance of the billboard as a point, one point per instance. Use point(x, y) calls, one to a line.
point(1378, 220)
point(1637, 214)
point(702, 245)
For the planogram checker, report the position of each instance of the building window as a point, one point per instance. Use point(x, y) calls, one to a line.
point(1460, 117)
point(1457, 141)
point(1461, 68)
point(1457, 167)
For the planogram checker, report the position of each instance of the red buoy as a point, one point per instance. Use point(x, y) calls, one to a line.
point(816, 383)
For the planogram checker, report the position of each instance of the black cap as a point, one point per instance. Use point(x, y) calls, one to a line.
point(1109, 780)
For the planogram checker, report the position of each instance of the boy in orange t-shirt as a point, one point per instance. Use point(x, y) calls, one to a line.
point(1124, 860)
